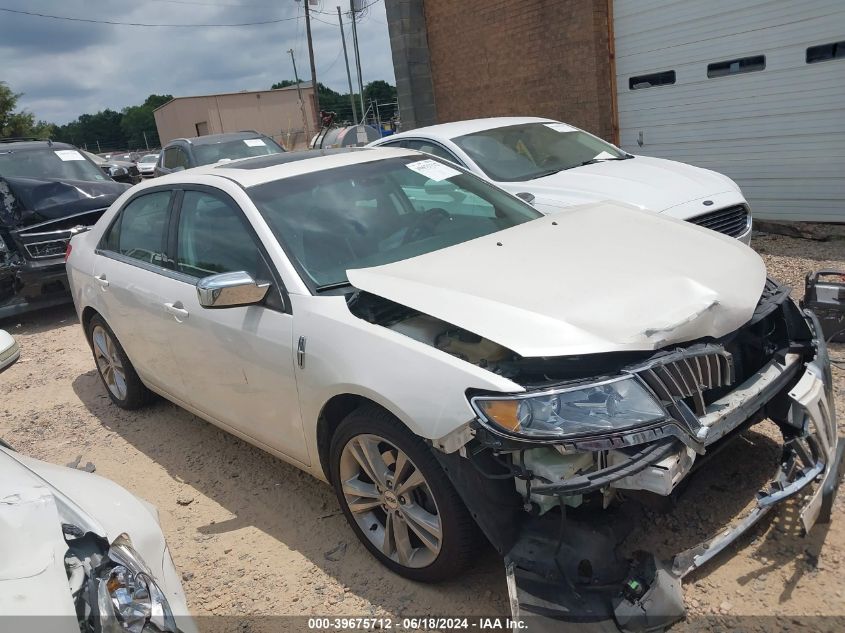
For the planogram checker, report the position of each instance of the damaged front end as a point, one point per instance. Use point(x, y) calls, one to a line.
point(544, 471)
point(33, 242)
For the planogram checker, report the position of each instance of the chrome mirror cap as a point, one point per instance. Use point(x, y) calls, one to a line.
point(9, 350)
point(228, 290)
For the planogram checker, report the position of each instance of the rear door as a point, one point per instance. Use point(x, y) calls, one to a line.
point(237, 363)
point(128, 269)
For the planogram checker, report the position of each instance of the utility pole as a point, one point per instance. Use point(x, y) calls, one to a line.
point(311, 58)
point(348, 74)
point(146, 143)
point(98, 146)
point(357, 55)
point(305, 125)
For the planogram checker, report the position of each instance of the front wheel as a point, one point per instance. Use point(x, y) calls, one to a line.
point(397, 498)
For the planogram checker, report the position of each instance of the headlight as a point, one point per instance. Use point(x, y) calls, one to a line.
point(128, 598)
point(612, 405)
point(117, 171)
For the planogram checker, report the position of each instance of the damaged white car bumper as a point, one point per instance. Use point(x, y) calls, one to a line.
point(576, 576)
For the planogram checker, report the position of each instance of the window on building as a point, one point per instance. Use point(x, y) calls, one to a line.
point(825, 52)
point(665, 78)
point(736, 66)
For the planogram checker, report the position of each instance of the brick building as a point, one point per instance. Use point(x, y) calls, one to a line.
point(753, 90)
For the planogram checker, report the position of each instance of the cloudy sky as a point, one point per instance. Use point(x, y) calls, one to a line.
point(67, 68)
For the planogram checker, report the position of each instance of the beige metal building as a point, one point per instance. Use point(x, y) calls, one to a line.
point(276, 113)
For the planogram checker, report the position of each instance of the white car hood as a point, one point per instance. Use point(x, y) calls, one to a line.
point(646, 182)
point(595, 278)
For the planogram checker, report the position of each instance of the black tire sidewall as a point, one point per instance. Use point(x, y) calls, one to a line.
point(457, 525)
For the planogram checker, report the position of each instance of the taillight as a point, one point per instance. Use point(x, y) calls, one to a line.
point(67, 251)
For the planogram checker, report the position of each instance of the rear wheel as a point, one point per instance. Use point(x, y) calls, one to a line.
point(397, 498)
point(118, 375)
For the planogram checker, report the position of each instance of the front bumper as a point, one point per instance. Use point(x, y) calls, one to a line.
point(33, 284)
point(571, 573)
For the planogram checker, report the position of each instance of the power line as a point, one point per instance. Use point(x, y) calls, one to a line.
point(142, 24)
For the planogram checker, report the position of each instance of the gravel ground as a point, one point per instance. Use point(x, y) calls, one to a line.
point(254, 536)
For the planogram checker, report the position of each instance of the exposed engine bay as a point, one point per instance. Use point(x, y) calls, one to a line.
point(549, 499)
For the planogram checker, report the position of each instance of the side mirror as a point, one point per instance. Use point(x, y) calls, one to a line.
point(9, 351)
point(228, 290)
point(528, 197)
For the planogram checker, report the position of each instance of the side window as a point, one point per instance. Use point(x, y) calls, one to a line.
point(432, 148)
point(139, 233)
point(169, 160)
point(182, 159)
point(213, 238)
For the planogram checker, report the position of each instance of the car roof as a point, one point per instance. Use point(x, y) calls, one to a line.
point(249, 172)
point(210, 139)
point(34, 145)
point(470, 126)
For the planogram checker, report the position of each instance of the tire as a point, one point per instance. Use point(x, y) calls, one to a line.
point(114, 368)
point(421, 495)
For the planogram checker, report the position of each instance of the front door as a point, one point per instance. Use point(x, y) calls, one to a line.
point(237, 364)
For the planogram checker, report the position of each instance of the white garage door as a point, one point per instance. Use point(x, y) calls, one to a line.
point(753, 89)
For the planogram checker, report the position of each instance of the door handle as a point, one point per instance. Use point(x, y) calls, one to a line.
point(176, 310)
point(101, 279)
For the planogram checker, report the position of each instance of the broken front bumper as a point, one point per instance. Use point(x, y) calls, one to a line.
point(572, 574)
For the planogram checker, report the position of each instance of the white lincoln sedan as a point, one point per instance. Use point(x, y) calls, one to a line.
point(451, 359)
point(557, 165)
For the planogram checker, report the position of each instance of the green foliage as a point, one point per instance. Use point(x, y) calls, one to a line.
point(20, 123)
point(333, 101)
point(110, 130)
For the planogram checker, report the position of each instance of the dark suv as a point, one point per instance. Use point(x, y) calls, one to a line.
point(48, 192)
point(184, 153)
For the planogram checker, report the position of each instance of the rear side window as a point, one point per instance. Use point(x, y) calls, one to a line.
point(140, 230)
point(432, 148)
point(736, 66)
point(214, 238)
point(665, 78)
point(825, 52)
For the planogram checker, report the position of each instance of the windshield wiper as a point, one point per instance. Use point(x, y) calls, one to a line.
point(334, 286)
point(593, 161)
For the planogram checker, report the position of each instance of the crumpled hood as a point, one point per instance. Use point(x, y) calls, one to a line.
point(595, 278)
point(33, 201)
point(649, 183)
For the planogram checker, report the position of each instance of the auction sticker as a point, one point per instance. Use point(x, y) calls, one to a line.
point(69, 154)
point(559, 127)
point(433, 170)
point(255, 142)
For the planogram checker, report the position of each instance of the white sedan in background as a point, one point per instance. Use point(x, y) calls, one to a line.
point(554, 165)
point(78, 553)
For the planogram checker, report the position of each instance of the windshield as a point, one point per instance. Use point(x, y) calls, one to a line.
point(232, 150)
point(49, 164)
point(149, 158)
point(532, 150)
point(380, 212)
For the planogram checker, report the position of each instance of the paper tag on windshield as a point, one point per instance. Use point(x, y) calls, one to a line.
point(433, 170)
point(255, 142)
point(603, 155)
point(559, 127)
point(69, 154)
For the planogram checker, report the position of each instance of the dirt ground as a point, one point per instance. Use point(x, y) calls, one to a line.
point(254, 536)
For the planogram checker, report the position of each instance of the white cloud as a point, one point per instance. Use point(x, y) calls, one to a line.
point(67, 68)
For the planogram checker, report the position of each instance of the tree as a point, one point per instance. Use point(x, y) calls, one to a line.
point(20, 123)
point(284, 83)
point(383, 93)
point(138, 122)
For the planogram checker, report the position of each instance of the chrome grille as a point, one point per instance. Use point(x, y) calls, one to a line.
point(51, 248)
point(688, 373)
point(731, 221)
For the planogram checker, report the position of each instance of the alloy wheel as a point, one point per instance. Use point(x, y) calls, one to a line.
point(390, 501)
point(108, 362)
